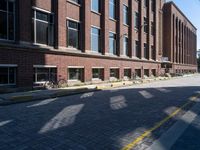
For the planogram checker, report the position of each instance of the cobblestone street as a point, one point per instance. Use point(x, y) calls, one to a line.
point(105, 120)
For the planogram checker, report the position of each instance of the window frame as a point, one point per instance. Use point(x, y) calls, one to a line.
point(125, 15)
point(99, 7)
point(14, 21)
point(78, 30)
point(8, 66)
point(136, 20)
point(75, 67)
point(115, 43)
point(101, 76)
point(128, 69)
point(114, 6)
point(35, 9)
point(99, 39)
point(116, 69)
point(125, 44)
point(35, 73)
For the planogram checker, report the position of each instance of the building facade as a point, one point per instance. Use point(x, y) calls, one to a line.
point(180, 41)
point(81, 41)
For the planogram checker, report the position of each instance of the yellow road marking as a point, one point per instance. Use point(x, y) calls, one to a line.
point(159, 124)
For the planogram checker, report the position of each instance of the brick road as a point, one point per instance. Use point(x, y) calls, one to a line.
point(105, 120)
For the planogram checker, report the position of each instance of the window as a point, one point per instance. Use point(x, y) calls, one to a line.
point(153, 54)
point(146, 73)
point(125, 11)
point(125, 41)
point(75, 1)
point(7, 20)
point(96, 6)
point(137, 20)
point(153, 5)
point(95, 39)
point(7, 75)
point(146, 3)
point(73, 34)
point(76, 74)
point(127, 73)
point(137, 49)
point(152, 28)
point(138, 73)
point(43, 28)
point(44, 74)
point(146, 50)
point(114, 73)
point(112, 43)
point(97, 73)
point(112, 9)
point(153, 72)
point(145, 25)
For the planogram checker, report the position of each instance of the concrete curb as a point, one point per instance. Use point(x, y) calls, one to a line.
point(67, 92)
point(30, 98)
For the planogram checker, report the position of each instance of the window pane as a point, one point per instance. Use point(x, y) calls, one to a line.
point(3, 25)
point(97, 74)
point(146, 51)
point(112, 9)
point(125, 11)
point(114, 73)
point(45, 74)
point(53, 74)
point(95, 40)
point(11, 27)
point(137, 50)
point(41, 32)
point(11, 7)
point(76, 1)
point(3, 5)
point(3, 75)
point(126, 46)
point(73, 34)
point(112, 43)
point(42, 16)
point(12, 74)
point(72, 38)
point(75, 74)
point(136, 20)
point(95, 5)
point(127, 73)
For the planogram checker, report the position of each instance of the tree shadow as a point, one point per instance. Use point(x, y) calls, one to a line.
point(106, 120)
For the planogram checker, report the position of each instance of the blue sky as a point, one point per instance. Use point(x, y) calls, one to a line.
point(191, 8)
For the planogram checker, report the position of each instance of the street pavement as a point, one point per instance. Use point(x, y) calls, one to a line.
point(104, 120)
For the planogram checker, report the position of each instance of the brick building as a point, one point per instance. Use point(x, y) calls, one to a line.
point(87, 40)
point(179, 40)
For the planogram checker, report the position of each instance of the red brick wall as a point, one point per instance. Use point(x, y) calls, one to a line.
point(25, 59)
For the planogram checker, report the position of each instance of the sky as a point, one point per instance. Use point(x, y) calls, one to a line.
point(191, 8)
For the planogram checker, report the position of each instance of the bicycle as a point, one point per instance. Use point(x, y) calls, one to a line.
point(55, 84)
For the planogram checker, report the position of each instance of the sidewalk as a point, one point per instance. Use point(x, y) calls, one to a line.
point(20, 97)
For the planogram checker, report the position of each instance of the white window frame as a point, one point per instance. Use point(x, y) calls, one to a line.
point(125, 52)
point(100, 50)
point(98, 8)
point(42, 66)
point(74, 67)
point(78, 30)
point(34, 22)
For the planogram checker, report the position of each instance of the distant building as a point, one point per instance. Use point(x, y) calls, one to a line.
point(198, 53)
point(179, 40)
